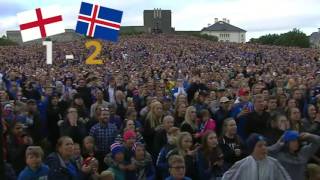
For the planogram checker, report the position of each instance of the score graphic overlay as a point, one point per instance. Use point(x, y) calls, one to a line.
point(90, 60)
point(94, 21)
point(48, 44)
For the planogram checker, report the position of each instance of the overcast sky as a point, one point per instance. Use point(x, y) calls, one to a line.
point(258, 17)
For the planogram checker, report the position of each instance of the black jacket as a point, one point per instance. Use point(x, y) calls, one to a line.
point(85, 93)
point(77, 133)
point(193, 88)
point(228, 147)
point(257, 123)
point(54, 114)
point(160, 140)
point(58, 169)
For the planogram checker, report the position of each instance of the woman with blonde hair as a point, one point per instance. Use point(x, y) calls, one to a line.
point(184, 149)
point(153, 120)
point(190, 124)
point(179, 114)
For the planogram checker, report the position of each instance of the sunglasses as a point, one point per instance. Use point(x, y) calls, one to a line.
point(104, 109)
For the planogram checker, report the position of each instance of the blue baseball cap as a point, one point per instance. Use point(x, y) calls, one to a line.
point(290, 135)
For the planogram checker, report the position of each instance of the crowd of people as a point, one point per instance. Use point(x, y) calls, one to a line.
point(161, 107)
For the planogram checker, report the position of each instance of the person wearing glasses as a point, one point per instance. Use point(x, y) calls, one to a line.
point(99, 101)
point(177, 168)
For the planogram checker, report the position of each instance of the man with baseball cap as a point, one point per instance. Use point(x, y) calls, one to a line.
point(222, 113)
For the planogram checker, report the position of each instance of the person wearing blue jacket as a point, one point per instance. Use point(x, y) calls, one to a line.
point(181, 88)
point(162, 164)
point(35, 169)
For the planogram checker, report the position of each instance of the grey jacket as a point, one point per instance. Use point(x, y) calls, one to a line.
point(295, 164)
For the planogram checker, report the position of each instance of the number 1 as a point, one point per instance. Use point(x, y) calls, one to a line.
point(48, 45)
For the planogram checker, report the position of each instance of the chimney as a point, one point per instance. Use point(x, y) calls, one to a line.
point(319, 30)
point(209, 25)
point(216, 20)
point(158, 13)
point(224, 19)
point(228, 21)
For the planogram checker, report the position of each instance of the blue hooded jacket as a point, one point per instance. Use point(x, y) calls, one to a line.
point(29, 174)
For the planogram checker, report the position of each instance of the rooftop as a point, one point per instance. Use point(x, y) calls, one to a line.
point(223, 26)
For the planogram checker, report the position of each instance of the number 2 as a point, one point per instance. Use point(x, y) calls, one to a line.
point(91, 59)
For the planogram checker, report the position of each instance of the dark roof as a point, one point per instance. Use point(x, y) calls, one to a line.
point(223, 26)
point(151, 10)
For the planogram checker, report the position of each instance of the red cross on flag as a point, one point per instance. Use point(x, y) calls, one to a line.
point(40, 23)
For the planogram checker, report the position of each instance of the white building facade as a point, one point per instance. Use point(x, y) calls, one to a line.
point(315, 39)
point(225, 32)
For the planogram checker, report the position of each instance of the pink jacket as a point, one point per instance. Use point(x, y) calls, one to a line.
point(210, 124)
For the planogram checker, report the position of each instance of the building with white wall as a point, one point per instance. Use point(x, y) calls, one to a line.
point(315, 39)
point(225, 31)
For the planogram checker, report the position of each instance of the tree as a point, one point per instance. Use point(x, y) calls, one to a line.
point(291, 38)
point(6, 42)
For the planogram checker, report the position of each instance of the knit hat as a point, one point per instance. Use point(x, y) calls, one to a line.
point(8, 107)
point(253, 139)
point(135, 145)
point(290, 135)
point(129, 134)
point(116, 148)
